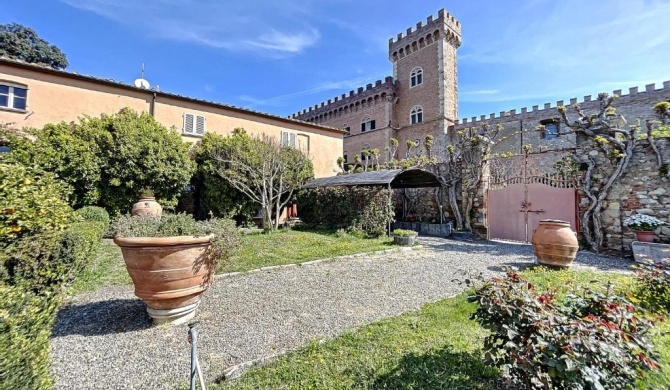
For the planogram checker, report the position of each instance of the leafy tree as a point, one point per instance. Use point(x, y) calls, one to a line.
point(109, 160)
point(212, 192)
point(265, 171)
point(23, 43)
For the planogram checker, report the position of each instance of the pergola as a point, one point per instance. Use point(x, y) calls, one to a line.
point(390, 178)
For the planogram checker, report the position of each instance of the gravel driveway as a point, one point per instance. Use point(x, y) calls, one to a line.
point(103, 340)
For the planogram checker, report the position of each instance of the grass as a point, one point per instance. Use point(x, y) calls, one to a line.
point(257, 250)
point(107, 269)
point(437, 347)
point(297, 246)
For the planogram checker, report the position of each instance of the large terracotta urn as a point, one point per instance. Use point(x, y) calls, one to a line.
point(170, 274)
point(147, 206)
point(554, 243)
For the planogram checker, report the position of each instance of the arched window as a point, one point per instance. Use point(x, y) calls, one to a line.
point(367, 124)
point(365, 148)
point(416, 115)
point(416, 77)
point(347, 130)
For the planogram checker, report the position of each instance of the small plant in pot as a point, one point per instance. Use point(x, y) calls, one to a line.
point(172, 259)
point(404, 237)
point(643, 226)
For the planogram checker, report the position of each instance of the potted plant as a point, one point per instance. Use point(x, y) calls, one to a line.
point(404, 237)
point(147, 206)
point(643, 226)
point(171, 260)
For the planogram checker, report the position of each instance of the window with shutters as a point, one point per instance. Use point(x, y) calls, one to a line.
point(13, 96)
point(347, 130)
point(416, 77)
point(416, 115)
point(367, 124)
point(288, 139)
point(194, 125)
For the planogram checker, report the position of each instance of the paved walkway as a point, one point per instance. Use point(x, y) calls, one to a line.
point(104, 340)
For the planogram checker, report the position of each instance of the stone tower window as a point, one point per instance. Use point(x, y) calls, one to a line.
point(347, 130)
point(551, 129)
point(416, 77)
point(367, 124)
point(416, 115)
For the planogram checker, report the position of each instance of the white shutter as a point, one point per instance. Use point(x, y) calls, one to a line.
point(200, 125)
point(284, 138)
point(188, 124)
point(291, 142)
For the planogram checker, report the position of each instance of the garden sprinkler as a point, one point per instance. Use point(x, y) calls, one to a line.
point(195, 364)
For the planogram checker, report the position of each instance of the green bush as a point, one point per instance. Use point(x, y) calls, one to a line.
point(26, 319)
point(653, 287)
point(590, 341)
point(94, 214)
point(51, 260)
point(31, 201)
point(109, 160)
point(351, 208)
point(211, 192)
point(405, 233)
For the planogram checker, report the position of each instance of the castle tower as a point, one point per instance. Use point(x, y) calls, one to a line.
point(425, 72)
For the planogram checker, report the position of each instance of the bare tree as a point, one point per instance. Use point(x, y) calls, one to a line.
point(264, 170)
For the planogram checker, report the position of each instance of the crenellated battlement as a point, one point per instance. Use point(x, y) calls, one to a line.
point(369, 92)
point(444, 26)
point(548, 110)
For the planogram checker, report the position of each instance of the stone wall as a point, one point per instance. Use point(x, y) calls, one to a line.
point(641, 190)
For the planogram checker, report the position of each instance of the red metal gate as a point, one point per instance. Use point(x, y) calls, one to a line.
point(520, 195)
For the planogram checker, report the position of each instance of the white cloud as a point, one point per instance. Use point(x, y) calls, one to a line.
point(260, 26)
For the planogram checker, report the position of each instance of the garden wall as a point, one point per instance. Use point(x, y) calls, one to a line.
point(643, 189)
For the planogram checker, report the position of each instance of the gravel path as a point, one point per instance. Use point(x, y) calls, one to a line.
point(103, 340)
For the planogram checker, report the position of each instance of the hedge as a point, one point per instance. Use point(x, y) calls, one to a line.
point(35, 270)
point(352, 208)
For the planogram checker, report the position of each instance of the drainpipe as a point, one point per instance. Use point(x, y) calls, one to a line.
point(520, 132)
point(152, 105)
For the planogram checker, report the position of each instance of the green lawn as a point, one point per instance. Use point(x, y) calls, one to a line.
point(257, 250)
point(297, 246)
point(437, 347)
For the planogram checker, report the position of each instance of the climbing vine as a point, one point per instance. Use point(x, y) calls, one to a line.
point(607, 133)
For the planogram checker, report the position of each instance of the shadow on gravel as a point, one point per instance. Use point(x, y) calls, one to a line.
point(480, 246)
point(441, 369)
point(101, 318)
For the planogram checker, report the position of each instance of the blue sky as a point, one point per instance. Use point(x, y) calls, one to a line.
point(283, 56)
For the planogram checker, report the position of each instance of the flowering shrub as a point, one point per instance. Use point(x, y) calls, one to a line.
point(591, 341)
point(642, 222)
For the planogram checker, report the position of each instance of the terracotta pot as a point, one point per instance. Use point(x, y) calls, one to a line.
point(645, 236)
point(554, 243)
point(169, 273)
point(147, 206)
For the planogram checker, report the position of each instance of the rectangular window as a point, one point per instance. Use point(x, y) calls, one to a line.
point(288, 139)
point(13, 97)
point(551, 129)
point(302, 142)
point(346, 160)
point(368, 125)
point(347, 131)
point(194, 124)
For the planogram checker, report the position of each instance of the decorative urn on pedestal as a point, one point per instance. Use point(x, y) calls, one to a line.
point(554, 243)
point(147, 206)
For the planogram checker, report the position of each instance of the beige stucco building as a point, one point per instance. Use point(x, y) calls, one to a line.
point(32, 96)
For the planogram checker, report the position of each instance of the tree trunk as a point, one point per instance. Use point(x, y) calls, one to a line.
point(453, 203)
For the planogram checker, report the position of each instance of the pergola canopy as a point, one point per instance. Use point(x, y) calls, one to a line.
point(393, 178)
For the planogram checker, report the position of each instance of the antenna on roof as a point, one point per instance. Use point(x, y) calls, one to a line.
point(141, 82)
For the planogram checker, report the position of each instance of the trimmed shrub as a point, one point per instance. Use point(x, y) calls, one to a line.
point(50, 261)
point(94, 214)
point(405, 233)
point(26, 319)
point(351, 208)
point(590, 341)
point(31, 201)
